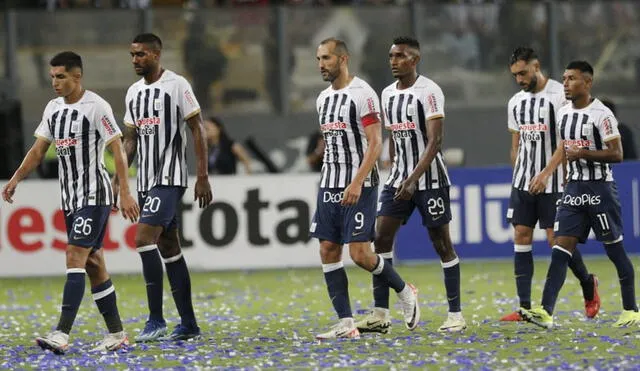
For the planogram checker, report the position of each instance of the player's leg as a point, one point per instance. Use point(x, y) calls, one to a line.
point(147, 247)
point(379, 320)
point(180, 281)
point(391, 214)
point(327, 227)
point(546, 209)
point(155, 215)
point(104, 294)
point(572, 225)
point(359, 223)
point(83, 229)
point(441, 239)
point(606, 219)
point(434, 206)
point(338, 288)
point(522, 214)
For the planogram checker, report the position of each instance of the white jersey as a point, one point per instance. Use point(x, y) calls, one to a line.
point(406, 113)
point(158, 112)
point(342, 115)
point(80, 132)
point(533, 115)
point(589, 128)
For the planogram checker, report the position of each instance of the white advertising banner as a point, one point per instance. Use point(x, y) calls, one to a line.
point(259, 221)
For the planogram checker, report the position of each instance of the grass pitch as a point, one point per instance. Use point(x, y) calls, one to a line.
point(268, 319)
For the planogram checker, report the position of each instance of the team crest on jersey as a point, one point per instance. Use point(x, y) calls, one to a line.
point(411, 110)
point(543, 112)
point(157, 104)
point(75, 127)
point(343, 111)
point(587, 129)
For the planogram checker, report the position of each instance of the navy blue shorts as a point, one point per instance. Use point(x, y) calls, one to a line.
point(527, 209)
point(86, 226)
point(433, 204)
point(344, 224)
point(589, 205)
point(159, 206)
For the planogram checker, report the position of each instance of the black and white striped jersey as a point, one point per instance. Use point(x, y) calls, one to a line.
point(80, 132)
point(406, 113)
point(534, 115)
point(343, 115)
point(589, 128)
point(159, 112)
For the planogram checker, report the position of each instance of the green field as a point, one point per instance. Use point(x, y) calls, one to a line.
point(267, 319)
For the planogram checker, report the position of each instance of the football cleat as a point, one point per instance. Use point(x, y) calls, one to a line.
point(375, 321)
point(410, 307)
point(57, 342)
point(181, 332)
point(153, 331)
point(454, 323)
point(112, 342)
point(512, 317)
point(537, 316)
point(628, 318)
point(340, 330)
point(592, 307)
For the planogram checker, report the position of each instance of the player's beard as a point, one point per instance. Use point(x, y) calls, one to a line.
point(532, 85)
point(144, 71)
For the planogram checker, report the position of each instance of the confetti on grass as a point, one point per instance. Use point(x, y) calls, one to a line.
point(268, 319)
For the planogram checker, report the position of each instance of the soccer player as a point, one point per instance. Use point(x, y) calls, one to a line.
point(531, 120)
point(590, 142)
point(159, 107)
point(80, 124)
point(413, 109)
point(348, 113)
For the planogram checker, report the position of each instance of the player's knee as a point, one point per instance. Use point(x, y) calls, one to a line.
point(145, 238)
point(524, 236)
point(330, 252)
point(383, 243)
point(76, 257)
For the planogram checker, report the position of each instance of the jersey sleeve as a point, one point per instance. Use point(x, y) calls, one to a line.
point(105, 123)
point(512, 123)
point(607, 126)
point(43, 131)
point(434, 103)
point(187, 100)
point(128, 107)
point(368, 106)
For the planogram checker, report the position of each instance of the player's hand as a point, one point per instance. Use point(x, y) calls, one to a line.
point(8, 190)
point(203, 193)
point(538, 183)
point(406, 190)
point(115, 186)
point(573, 153)
point(351, 194)
point(129, 207)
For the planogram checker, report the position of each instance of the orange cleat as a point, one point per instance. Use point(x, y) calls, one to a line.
point(512, 317)
point(592, 307)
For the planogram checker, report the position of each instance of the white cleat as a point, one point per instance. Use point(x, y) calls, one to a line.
point(57, 342)
point(454, 323)
point(112, 342)
point(410, 307)
point(345, 329)
point(376, 321)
